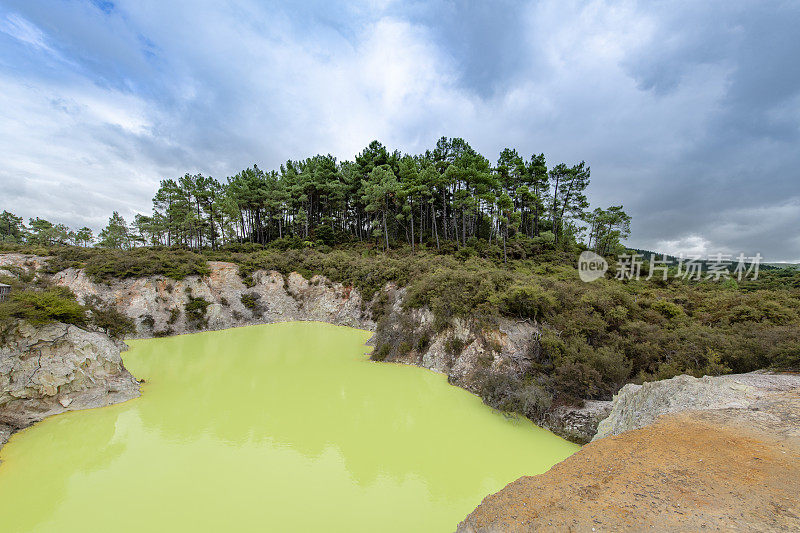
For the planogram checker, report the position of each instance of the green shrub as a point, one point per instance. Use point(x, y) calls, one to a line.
point(526, 302)
point(39, 307)
point(174, 315)
point(776, 313)
point(465, 293)
point(108, 319)
point(381, 352)
point(454, 345)
point(250, 300)
point(510, 393)
point(107, 265)
point(195, 309)
point(744, 313)
point(668, 309)
point(423, 342)
point(616, 316)
point(574, 381)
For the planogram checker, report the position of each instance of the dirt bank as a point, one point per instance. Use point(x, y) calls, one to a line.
point(721, 469)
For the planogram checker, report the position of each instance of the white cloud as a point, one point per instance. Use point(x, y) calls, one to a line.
point(688, 246)
point(157, 89)
point(22, 30)
point(74, 157)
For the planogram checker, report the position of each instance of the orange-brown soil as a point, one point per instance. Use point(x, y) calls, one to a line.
point(730, 470)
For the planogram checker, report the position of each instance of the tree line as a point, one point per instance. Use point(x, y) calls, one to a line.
point(448, 194)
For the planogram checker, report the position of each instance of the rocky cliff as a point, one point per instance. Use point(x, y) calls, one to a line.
point(158, 305)
point(55, 368)
point(636, 406)
point(464, 350)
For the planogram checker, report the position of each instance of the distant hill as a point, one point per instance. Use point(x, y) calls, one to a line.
point(789, 266)
point(704, 261)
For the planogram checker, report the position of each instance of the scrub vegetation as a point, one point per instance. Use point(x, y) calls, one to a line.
point(595, 336)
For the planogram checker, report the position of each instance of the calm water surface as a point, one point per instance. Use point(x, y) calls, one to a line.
point(281, 427)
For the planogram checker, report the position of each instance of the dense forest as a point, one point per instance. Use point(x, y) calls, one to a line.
point(451, 193)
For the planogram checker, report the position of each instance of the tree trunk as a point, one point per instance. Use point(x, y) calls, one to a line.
point(435, 229)
point(385, 231)
point(412, 227)
point(421, 218)
point(505, 237)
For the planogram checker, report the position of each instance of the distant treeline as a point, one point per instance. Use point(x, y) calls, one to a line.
point(451, 193)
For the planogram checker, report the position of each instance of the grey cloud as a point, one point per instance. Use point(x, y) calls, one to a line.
point(485, 39)
point(688, 113)
point(756, 43)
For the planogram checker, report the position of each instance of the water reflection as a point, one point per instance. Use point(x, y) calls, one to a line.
point(286, 426)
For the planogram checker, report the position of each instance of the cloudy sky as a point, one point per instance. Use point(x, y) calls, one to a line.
point(688, 112)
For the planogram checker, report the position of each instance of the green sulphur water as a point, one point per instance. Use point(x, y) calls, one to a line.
point(281, 427)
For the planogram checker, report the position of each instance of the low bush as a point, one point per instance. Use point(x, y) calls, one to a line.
point(526, 301)
point(668, 309)
point(510, 393)
point(253, 302)
point(40, 307)
point(466, 293)
point(106, 265)
point(195, 310)
point(250, 300)
point(108, 319)
point(174, 315)
point(381, 352)
point(454, 346)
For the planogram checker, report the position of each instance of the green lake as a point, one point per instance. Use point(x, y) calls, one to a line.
point(280, 427)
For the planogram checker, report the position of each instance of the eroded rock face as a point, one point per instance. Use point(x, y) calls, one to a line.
point(636, 406)
point(461, 350)
point(56, 368)
point(157, 304)
point(465, 352)
point(21, 261)
point(577, 424)
point(5, 433)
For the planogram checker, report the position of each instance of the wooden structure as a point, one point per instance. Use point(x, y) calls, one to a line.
point(5, 291)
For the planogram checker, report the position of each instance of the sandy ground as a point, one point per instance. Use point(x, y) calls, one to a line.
point(723, 470)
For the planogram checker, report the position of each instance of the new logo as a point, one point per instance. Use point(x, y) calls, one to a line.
point(591, 266)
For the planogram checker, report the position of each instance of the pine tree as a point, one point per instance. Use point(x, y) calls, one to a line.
point(116, 234)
